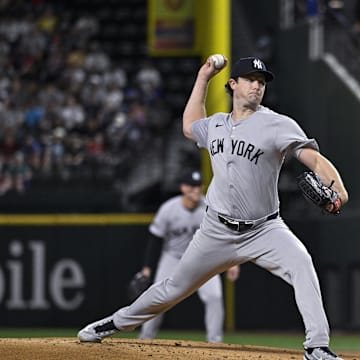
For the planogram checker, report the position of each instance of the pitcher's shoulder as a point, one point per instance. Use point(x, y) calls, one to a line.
point(269, 113)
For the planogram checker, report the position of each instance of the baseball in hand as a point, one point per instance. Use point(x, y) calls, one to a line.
point(218, 60)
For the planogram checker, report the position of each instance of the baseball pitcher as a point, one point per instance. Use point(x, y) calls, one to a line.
point(242, 223)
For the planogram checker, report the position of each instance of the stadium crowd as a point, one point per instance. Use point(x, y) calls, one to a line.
point(67, 110)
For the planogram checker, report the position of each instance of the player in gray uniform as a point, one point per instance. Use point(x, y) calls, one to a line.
point(170, 233)
point(242, 223)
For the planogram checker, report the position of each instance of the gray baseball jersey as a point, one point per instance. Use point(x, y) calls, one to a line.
point(248, 154)
point(176, 225)
point(246, 157)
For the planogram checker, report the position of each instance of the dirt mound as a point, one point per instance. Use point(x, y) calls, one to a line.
point(131, 349)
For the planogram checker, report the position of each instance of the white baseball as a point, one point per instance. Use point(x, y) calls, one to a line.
point(218, 60)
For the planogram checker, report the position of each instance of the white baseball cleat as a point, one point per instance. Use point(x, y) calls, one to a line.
point(320, 353)
point(97, 330)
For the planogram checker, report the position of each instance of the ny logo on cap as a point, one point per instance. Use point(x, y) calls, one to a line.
point(196, 176)
point(257, 64)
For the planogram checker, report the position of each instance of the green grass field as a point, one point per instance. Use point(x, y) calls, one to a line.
point(339, 341)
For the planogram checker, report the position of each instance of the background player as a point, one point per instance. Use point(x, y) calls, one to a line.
point(170, 233)
point(247, 148)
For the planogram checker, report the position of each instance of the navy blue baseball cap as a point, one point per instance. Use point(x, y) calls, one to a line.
point(192, 178)
point(250, 65)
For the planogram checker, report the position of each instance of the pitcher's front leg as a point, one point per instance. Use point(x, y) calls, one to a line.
point(194, 269)
point(197, 265)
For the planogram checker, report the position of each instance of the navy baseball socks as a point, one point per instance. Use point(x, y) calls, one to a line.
point(97, 330)
point(320, 353)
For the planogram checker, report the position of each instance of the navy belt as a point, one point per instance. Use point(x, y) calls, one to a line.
point(243, 225)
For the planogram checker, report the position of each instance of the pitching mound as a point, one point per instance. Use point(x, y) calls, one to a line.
point(131, 349)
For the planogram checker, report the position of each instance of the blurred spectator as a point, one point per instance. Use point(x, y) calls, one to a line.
point(54, 60)
point(18, 94)
point(31, 150)
point(3, 178)
point(96, 154)
point(138, 131)
point(50, 95)
point(74, 75)
point(265, 45)
point(72, 114)
point(116, 76)
point(48, 20)
point(74, 155)
point(33, 116)
point(313, 7)
point(8, 146)
point(33, 43)
point(113, 98)
point(11, 117)
point(84, 29)
point(16, 175)
point(96, 60)
point(12, 29)
point(4, 49)
point(93, 95)
point(54, 152)
point(149, 81)
point(116, 131)
point(356, 24)
point(336, 4)
point(95, 147)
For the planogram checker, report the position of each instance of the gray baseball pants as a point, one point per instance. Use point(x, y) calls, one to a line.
point(210, 294)
point(214, 249)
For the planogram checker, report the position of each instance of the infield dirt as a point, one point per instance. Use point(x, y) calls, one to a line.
point(131, 349)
